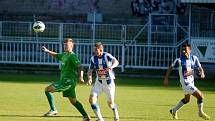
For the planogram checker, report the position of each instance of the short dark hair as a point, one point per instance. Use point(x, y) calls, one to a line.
point(68, 40)
point(186, 45)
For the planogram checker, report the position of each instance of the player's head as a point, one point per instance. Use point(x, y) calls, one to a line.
point(186, 50)
point(98, 49)
point(68, 45)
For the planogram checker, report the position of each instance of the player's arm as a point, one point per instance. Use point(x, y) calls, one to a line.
point(113, 60)
point(201, 72)
point(115, 63)
point(89, 76)
point(165, 81)
point(81, 73)
point(90, 72)
point(200, 69)
point(53, 54)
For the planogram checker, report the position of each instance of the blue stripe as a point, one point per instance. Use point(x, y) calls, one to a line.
point(108, 81)
point(96, 63)
point(183, 65)
point(176, 64)
point(94, 106)
point(200, 101)
point(108, 58)
point(91, 64)
point(104, 65)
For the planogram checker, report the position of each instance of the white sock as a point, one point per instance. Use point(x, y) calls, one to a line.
point(115, 112)
point(97, 111)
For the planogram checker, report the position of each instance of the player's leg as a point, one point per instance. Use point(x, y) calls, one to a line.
point(110, 92)
point(79, 107)
point(71, 94)
point(95, 92)
point(48, 91)
point(57, 86)
point(182, 102)
point(113, 106)
point(198, 94)
point(95, 107)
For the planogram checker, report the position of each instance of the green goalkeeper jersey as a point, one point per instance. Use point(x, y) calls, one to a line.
point(69, 65)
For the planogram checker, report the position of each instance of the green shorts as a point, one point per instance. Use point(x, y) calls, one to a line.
point(67, 86)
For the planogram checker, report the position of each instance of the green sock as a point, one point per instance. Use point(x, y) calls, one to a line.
point(80, 108)
point(51, 101)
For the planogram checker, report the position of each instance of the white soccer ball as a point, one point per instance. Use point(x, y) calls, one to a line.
point(39, 26)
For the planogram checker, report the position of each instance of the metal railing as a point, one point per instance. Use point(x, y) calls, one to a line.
point(129, 56)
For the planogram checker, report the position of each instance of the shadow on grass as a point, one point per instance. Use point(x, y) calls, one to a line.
point(19, 116)
point(78, 117)
point(36, 116)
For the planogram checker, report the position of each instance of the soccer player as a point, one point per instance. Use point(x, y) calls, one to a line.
point(103, 63)
point(71, 71)
point(186, 64)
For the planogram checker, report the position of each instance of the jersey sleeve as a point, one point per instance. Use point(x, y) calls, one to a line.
point(59, 56)
point(175, 64)
point(91, 63)
point(196, 61)
point(109, 57)
point(75, 60)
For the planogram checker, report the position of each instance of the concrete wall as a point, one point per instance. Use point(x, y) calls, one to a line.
point(65, 7)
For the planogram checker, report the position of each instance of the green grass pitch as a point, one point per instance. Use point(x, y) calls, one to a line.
point(138, 99)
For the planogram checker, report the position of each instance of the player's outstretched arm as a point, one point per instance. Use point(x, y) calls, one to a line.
point(53, 54)
point(89, 76)
point(165, 81)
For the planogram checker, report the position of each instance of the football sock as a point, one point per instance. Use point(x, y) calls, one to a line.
point(80, 108)
point(179, 105)
point(200, 105)
point(96, 110)
point(115, 111)
point(51, 101)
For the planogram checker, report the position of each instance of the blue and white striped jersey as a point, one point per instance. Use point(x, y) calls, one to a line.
point(186, 68)
point(101, 64)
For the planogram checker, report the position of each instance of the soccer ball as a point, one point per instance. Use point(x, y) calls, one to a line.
point(39, 26)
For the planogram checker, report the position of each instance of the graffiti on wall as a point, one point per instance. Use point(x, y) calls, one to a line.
point(144, 7)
